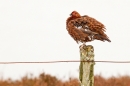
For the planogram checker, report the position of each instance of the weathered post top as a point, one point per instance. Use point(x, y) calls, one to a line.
point(86, 69)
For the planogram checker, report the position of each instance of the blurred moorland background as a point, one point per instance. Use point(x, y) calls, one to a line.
point(47, 80)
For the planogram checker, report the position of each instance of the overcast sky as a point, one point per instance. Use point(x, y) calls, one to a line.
point(35, 30)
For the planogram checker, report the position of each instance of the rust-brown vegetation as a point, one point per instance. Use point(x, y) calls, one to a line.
point(48, 80)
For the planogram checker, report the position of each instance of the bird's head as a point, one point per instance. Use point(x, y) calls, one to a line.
point(75, 14)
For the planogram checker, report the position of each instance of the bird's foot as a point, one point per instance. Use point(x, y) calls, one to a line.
point(89, 37)
point(92, 37)
point(83, 43)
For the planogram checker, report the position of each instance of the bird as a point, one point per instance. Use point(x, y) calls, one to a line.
point(85, 28)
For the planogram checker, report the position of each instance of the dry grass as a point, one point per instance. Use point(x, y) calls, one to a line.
point(48, 80)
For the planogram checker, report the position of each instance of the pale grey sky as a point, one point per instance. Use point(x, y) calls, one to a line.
point(35, 30)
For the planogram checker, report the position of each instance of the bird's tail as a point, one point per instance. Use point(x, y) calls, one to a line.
point(102, 38)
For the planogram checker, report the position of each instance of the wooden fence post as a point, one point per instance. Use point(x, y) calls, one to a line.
point(86, 69)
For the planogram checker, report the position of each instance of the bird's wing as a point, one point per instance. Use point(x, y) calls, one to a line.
point(96, 26)
point(89, 26)
point(76, 33)
point(92, 24)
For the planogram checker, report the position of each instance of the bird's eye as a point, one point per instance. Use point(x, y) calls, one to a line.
point(73, 13)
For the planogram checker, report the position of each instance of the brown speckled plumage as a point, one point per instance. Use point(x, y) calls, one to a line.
point(90, 29)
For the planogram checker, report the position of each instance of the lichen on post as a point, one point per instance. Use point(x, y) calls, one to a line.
point(86, 69)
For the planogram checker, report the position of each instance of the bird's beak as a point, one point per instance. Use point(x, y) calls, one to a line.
point(70, 14)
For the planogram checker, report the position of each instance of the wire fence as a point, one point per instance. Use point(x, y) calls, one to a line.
point(64, 62)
